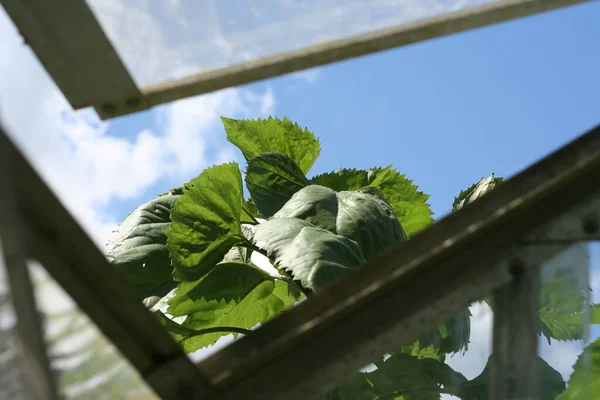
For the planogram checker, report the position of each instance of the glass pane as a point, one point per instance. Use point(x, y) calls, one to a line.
point(160, 40)
point(564, 323)
point(11, 384)
point(565, 343)
point(88, 366)
point(451, 361)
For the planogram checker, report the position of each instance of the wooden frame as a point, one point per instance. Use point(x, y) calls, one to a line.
point(70, 43)
point(34, 360)
point(461, 258)
point(493, 246)
point(57, 241)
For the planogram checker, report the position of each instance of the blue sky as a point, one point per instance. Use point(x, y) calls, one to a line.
point(449, 111)
point(445, 112)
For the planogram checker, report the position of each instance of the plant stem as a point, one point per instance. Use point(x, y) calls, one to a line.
point(251, 216)
point(291, 282)
point(230, 329)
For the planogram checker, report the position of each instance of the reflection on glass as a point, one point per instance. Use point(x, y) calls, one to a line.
point(564, 323)
point(87, 365)
point(454, 360)
point(451, 361)
point(160, 40)
point(11, 385)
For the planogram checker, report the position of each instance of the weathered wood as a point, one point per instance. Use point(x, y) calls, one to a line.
point(112, 303)
point(38, 379)
point(438, 272)
point(68, 40)
point(344, 49)
point(515, 366)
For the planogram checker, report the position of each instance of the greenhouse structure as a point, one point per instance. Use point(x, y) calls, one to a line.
point(496, 248)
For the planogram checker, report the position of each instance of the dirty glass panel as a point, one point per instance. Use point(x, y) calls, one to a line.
point(454, 360)
point(565, 341)
point(87, 365)
point(160, 40)
point(11, 382)
point(449, 362)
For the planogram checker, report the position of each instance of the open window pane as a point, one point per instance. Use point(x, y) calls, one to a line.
point(161, 40)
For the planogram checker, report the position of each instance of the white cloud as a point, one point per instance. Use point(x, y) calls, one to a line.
point(561, 355)
point(309, 76)
point(86, 166)
point(473, 361)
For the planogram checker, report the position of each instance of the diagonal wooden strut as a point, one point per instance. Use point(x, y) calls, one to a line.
point(74, 261)
point(37, 376)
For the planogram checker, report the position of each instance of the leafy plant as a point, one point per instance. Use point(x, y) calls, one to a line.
point(210, 263)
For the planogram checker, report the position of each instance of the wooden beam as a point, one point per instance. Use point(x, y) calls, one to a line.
point(425, 280)
point(99, 290)
point(71, 45)
point(38, 378)
point(515, 370)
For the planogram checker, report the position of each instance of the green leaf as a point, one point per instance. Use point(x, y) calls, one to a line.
point(409, 204)
point(365, 218)
point(255, 137)
point(315, 204)
point(595, 317)
point(272, 179)
point(206, 221)
point(314, 256)
point(238, 254)
point(233, 294)
point(450, 337)
point(316, 222)
point(551, 383)
point(173, 327)
point(343, 179)
point(357, 387)
point(412, 378)
point(401, 376)
point(420, 350)
point(562, 306)
point(475, 191)
point(138, 247)
point(584, 382)
point(250, 212)
point(369, 221)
